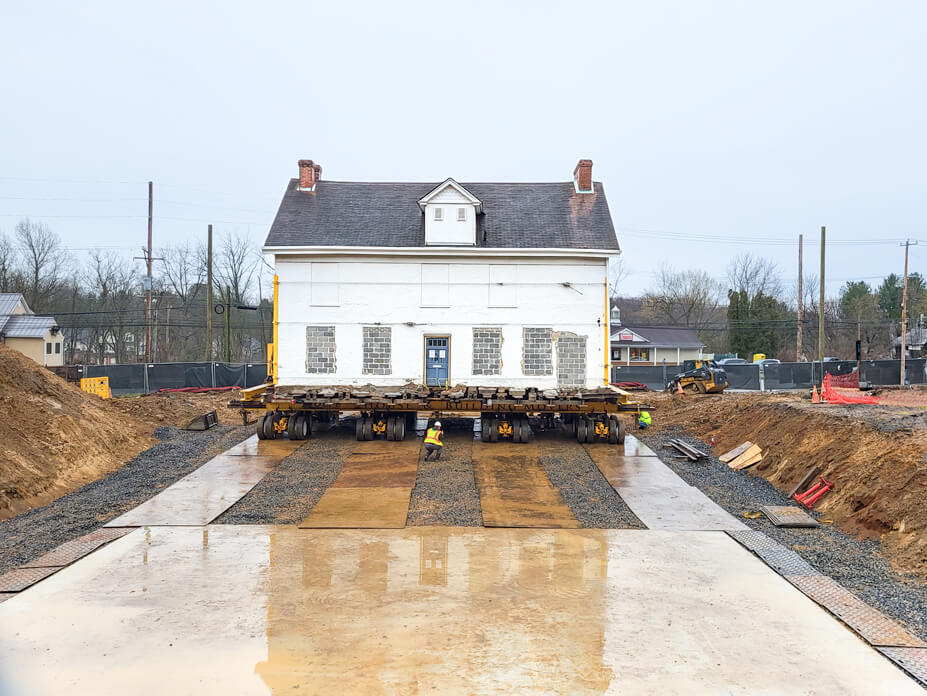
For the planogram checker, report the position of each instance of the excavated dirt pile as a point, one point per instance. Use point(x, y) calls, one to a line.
point(55, 438)
point(874, 454)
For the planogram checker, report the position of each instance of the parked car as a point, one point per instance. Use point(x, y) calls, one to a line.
point(769, 362)
point(826, 359)
point(733, 361)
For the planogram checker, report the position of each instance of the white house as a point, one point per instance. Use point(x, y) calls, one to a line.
point(36, 337)
point(483, 284)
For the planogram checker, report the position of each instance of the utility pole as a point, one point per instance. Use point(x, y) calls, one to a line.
point(800, 304)
point(209, 294)
point(904, 309)
point(821, 310)
point(228, 325)
point(148, 277)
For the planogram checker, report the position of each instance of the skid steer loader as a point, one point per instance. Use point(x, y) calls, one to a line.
point(699, 377)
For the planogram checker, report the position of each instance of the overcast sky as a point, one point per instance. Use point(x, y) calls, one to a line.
point(716, 127)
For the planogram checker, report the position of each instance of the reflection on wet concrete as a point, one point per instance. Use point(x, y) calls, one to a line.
point(514, 489)
point(277, 610)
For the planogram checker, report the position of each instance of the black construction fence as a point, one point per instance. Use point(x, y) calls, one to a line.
point(872, 373)
point(145, 378)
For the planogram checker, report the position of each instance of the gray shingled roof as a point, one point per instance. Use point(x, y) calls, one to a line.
point(8, 302)
point(659, 337)
point(27, 326)
point(515, 216)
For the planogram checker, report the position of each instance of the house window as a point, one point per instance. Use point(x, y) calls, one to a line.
point(640, 354)
point(439, 214)
point(461, 215)
point(616, 353)
point(57, 349)
point(48, 349)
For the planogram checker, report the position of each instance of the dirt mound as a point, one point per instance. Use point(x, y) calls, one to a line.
point(875, 455)
point(55, 438)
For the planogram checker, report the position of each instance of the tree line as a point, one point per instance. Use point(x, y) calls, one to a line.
point(98, 300)
point(750, 311)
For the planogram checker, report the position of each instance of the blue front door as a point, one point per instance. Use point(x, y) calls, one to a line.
point(437, 360)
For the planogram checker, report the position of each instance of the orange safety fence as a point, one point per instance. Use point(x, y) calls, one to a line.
point(832, 396)
point(850, 381)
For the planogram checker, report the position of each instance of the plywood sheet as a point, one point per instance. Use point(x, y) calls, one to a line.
point(736, 452)
point(204, 494)
point(748, 454)
point(514, 489)
point(360, 508)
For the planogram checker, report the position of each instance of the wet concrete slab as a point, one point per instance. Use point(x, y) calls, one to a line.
point(515, 490)
point(373, 489)
point(204, 494)
point(678, 508)
point(624, 471)
point(278, 610)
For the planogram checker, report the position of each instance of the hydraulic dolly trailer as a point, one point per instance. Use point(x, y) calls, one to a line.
point(591, 415)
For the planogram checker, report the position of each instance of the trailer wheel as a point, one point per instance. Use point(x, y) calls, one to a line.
point(368, 427)
point(612, 430)
point(524, 429)
point(399, 431)
point(359, 428)
point(581, 429)
point(493, 430)
point(268, 427)
point(299, 427)
point(622, 429)
point(590, 431)
point(484, 428)
point(260, 427)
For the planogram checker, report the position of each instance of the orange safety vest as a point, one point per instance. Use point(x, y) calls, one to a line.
point(431, 437)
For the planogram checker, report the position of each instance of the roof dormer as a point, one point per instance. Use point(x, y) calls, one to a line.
point(450, 215)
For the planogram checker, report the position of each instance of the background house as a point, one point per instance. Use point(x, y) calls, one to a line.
point(653, 345)
point(36, 337)
point(492, 284)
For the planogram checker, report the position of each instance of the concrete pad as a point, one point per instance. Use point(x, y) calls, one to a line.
point(258, 610)
point(360, 508)
point(677, 508)
point(204, 494)
point(515, 490)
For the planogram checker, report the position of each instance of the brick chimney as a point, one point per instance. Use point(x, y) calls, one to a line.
point(310, 174)
point(582, 176)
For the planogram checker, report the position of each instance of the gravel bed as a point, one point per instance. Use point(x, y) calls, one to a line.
point(589, 496)
point(445, 490)
point(856, 564)
point(35, 532)
point(288, 493)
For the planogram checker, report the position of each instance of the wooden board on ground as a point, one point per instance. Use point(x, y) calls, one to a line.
point(749, 462)
point(514, 489)
point(373, 489)
point(745, 456)
point(734, 453)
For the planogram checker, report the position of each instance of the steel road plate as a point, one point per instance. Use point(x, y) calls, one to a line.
point(75, 549)
point(360, 508)
point(911, 660)
point(789, 516)
point(753, 539)
point(871, 624)
point(19, 579)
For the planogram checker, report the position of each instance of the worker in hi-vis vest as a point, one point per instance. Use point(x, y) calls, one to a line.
point(643, 420)
point(433, 444)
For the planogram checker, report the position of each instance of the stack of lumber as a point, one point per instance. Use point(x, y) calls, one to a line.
point(742, 456)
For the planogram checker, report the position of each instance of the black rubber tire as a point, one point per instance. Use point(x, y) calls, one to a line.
point(581, 429)
point(359, 428)
point(260, 427)
point(304, 429)
point(493, 430)
point(590, 431)
point(525, 429)
point(613, 430)
point(622, 429)
point(390, 428)
point(484, 428)
point(292, 425)
point(399, 432)
point(269, 432)
point(368, 428)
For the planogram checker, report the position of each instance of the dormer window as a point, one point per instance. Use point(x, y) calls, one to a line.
point(456, 229)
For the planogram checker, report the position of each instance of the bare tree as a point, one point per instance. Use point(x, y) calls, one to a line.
point(754, 275)
point(235, 266)
point(44, 261)
point(617, 272)
point(688, 298)
point(183, 270)
point(10, 279)
point(115, 291)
